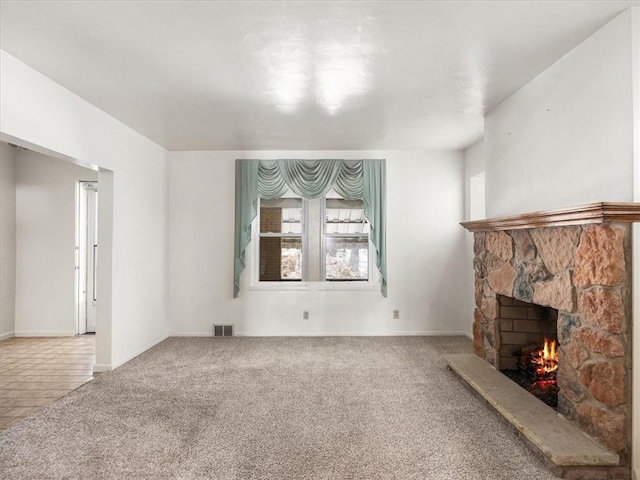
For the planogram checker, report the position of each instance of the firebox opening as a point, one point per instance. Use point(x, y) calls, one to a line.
point(529, 346)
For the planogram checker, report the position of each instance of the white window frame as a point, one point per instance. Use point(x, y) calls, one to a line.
point(370, 284)
point(256, 283)
point(316, 247)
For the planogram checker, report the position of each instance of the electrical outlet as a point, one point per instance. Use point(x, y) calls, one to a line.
point(305, 315)
point(396, 314)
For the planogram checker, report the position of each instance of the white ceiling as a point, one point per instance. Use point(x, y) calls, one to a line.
point(257, 75)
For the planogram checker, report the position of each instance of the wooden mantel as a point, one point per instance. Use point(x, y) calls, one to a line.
point(601, 212)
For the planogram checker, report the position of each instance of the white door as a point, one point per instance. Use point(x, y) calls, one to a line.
point(87, 248)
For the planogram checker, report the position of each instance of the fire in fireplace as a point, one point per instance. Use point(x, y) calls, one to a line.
point(545, 360)
point(536, 372)
point(529, 348)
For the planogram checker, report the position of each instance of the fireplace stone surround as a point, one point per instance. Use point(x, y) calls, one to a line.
point(577, 261)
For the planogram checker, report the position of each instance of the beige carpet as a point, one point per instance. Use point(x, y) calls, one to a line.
point(273, 408)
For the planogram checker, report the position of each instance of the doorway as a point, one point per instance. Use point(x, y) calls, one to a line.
point(86, 256)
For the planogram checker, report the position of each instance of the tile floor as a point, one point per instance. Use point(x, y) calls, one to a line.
point(35, 371)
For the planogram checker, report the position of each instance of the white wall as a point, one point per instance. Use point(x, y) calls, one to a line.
point(564, 139)
point(474, 164)
point(45, 244)
point(635, 52)
point(568, 138)
point(425, 253)
point(38, 113)
point(7, 240)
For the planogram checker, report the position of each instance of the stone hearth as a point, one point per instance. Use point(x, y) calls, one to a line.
point(577, 261)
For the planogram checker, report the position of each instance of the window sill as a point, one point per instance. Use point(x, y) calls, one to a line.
point(279, 286)
point(347, 286)
point(315, 286)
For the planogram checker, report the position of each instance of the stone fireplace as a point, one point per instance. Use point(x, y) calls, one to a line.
point(576, 262)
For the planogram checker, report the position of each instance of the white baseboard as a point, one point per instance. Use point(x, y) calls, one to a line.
point(45, 333)
point(8, 335)
point(190, 334)
point(101, 367)
point(426, 333)
point(138, 352)
point(448, 334)
point(106, 367)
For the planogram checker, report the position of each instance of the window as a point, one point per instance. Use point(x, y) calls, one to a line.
point(310, 238)
point(346, 241)
point(320, 240)
point(281, 240)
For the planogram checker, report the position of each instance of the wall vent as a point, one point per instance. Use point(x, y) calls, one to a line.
point(222, 330)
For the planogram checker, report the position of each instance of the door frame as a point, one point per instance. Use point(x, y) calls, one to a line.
point(85, 258)
point(104, 332)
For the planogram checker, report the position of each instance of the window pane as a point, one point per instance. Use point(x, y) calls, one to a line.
point(280, 259)
point(292, 220)
point(281, 216)
point(347, 258)
point(348, 218)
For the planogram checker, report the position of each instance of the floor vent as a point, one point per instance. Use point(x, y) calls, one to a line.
point(222, 330)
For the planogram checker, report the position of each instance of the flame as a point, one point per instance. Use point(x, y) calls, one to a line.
point(546, 358)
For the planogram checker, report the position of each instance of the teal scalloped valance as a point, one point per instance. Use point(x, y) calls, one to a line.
point(268, 179)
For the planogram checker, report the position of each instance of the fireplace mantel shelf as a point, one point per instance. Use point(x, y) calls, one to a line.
point(592, 213)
